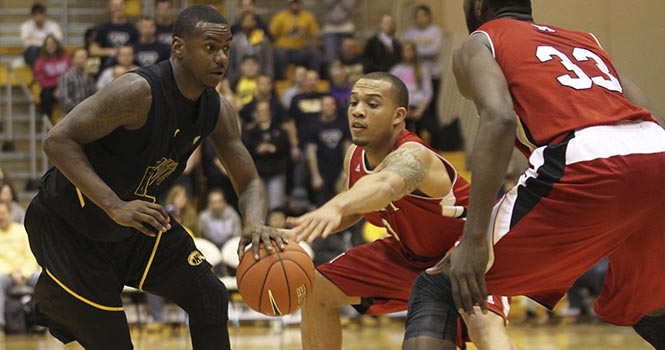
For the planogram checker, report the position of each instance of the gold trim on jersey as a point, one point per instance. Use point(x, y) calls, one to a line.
point(79, 297)
point(152, 257)
point(155, 174)
point(80, 195)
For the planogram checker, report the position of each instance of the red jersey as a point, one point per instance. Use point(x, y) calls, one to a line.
point(425, 227)
point(560, 81)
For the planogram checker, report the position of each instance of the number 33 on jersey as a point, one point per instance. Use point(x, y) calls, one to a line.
point(560, 81)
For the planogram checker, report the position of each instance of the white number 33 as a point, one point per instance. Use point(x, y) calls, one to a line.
point(582, 81)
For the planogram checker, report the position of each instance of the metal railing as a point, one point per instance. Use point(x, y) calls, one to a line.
point(32, 119)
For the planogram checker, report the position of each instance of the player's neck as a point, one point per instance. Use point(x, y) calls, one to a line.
point(517, 13)
point(376, 154)
point(187, 86)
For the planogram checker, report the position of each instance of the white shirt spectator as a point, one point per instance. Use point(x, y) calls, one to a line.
point(31, 35)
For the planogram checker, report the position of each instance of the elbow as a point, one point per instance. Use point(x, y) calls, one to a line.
point(500, 120)
point(51, 142)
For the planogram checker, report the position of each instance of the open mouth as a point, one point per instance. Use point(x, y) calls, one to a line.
point(357, 126)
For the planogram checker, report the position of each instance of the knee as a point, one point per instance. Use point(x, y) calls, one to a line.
point(213, 303)
point(325, 295)
point(426, 343)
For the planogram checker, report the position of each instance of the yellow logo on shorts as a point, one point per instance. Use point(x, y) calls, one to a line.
point(195, 258)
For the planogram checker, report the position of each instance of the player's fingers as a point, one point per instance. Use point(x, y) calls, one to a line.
point(161, 210)
point(279, 238)
point(476, 294)
point(328, 230)
point(294, 221)
point(155, 219)
point(267, 242)
point(438, 267)
point(317, 231)
point(149, 221)
point(241, 247)
point(306, 230)
point(256, 240)
point(143, 228)
point(480, 280)
point(456, 296)
point(465, 295)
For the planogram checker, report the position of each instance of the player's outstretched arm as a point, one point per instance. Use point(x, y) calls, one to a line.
point(480, 77)
point(406, 169)
point(252, 199)
point(123, 103)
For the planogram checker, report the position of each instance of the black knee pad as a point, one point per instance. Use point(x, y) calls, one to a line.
point(214, 299)
point(652, 329)
point(432, 310)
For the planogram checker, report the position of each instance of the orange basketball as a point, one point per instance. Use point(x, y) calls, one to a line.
point(278, 283)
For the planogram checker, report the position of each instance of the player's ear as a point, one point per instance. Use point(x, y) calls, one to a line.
point(177, 47)
point(400, 115)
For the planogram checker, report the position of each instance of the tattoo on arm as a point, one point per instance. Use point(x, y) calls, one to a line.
point(405, 163)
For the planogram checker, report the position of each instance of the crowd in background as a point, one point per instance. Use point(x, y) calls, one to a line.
point(297, 136)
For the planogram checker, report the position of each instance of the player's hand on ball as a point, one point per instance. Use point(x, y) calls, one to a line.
point(318, 223)
point(257, 234)
point(142, 216)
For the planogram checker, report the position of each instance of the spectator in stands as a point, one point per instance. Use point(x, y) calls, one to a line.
point(269, 146)
point(383, 50)
point(338, 24)
point(249, 7)
point(277, 218)
point(125, 63)
point(17, 265)
point(52, 63)
point(8, 195)
point(164, 22)
point(418, 81)
point(264, 92)
point(76, 84)
point(340, 88)
point(148, 50)
point(245, 88)
point(326, 147)
point(296, 88)
point(113, 35)
point(219, 221)
point(428, 38)
point(250, 41)
point(585, 291)
point(215, 174)
point(350, 57)
point(178, 204)
point(305, 107)
point(295, 32)
point(35, 30)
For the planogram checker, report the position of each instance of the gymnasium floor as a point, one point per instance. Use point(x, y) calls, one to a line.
point(384, 335)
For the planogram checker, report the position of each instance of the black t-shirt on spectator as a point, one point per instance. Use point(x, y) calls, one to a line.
point(305, 110)
point(269, 164)
point(165, 34)
point(147, 54)
point(329, 140)
point(116, 35)
point(277, 111)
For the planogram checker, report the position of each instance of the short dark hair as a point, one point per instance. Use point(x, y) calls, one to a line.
point(189, 18)
point(424, 8)
point(499, 4)
point(399, 90)
point(250, 56)
point(37, 8)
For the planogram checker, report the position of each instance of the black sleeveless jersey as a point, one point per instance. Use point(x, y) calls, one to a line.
point(137, 164)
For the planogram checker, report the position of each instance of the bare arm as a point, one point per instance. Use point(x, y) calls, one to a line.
point(96, 50)
point(406, 169)
point(479, 76)
point(637, 97)
point(124, 103)
point(252, 200)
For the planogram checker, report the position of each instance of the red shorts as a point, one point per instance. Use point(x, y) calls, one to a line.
point(599, 194)
point(382, 276)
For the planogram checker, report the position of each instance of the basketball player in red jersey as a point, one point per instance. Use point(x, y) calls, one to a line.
point(394, 181)
point(593, 189)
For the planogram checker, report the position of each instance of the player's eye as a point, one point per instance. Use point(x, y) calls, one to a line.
point(210, 47)
point(353, 103)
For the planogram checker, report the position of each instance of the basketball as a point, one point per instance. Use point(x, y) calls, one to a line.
point(278, 283)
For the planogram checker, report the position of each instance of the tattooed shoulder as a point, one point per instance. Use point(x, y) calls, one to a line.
point(406, 163)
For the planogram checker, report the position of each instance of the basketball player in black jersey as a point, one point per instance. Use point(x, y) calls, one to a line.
point(95, 227)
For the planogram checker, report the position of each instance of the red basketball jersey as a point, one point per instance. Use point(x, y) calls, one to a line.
point(560, 81)
point(425, 227)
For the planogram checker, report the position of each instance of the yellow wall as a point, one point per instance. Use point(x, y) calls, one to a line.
point(632, 31)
